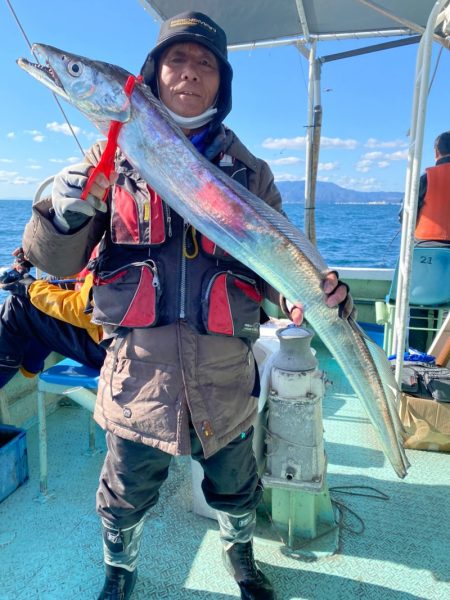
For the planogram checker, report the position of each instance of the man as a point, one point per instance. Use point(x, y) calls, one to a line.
point(175, 380)
point(433, 216)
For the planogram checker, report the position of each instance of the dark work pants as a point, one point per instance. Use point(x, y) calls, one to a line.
point(133, 473)
point(28, 336)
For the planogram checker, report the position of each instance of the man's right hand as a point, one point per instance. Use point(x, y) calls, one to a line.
point(71, 211)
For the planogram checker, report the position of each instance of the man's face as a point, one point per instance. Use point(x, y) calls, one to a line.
point(188, 79)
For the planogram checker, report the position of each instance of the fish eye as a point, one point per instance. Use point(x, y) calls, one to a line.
point(75, 68)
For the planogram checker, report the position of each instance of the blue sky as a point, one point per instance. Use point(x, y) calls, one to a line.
point(366, 100)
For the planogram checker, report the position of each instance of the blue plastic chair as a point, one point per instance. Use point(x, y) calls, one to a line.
point(429, 289)
point(72, 379)
point(430, 278)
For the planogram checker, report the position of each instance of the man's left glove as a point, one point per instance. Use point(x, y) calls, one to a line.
point(337, 293)
point(20, 286)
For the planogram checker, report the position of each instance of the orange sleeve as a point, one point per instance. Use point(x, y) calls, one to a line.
point(65, 305)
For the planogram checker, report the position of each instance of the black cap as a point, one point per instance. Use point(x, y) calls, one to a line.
point(199, 28)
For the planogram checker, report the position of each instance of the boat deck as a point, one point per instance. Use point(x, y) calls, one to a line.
point(392, 548)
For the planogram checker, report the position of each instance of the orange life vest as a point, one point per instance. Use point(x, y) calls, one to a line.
point(433, 221)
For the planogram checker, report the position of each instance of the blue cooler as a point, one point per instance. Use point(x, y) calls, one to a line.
point(13, 459)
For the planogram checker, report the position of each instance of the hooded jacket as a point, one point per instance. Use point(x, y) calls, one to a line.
point(158, 376)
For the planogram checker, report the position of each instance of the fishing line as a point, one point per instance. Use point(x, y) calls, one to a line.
point(390, 244)
point(435, 68)
point(37, 60)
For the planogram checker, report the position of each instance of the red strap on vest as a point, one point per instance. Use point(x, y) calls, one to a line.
point(106, 162)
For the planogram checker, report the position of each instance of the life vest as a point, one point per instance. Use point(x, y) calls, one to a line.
point(433, 221)
point(137, 282)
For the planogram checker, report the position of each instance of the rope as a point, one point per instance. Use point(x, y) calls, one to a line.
point(37, 60)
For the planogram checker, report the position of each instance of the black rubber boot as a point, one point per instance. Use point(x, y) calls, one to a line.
point(252, 582)
point(119, 584)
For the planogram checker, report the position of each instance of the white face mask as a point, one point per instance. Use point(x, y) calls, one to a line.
point(192, 122)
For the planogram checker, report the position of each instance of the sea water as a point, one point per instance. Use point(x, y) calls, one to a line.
point(350, 235)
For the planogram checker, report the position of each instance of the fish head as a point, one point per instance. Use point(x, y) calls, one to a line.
point(96, 88)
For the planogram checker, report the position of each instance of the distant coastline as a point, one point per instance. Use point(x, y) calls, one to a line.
point(293, 193)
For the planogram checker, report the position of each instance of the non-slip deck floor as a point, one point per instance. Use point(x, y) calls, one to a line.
point(52, 550)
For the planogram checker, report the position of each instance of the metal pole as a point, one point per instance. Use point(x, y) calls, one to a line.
point(313, 87)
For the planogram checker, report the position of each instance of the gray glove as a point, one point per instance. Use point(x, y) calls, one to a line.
point(70, 211)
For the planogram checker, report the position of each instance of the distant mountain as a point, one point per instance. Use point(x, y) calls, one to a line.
point(293, 192)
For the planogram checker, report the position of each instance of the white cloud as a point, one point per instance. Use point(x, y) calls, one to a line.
point(36, 167)
point(11, 135)
point(300, 142)
point(328, 166)
point(35, 134)
point(399, 155)
point(20, 180)
point(286, 177)
point(374, 143)
point(63, 128)
point(289, 160)
point(363, 165)
point(368, 184)
point(372, 155)
point(284, 143)
point(13, 178)
point(7, 176)
point(70, 160)
point(382, 160)
point(326, 142)
point(5, 160)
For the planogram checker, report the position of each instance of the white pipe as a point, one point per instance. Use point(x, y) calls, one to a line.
point(82, 396)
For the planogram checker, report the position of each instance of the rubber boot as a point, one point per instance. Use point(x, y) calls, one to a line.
point(119, 583)
point(252, 582)
point(236, 534)
point(120, 550)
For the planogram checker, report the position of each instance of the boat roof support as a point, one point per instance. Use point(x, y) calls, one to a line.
point(312, 142)
point(402, 21)
point(302, 17)
point(368, 49)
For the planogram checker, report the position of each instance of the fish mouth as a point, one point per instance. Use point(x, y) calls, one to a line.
point(42, 71)
point(45, 69)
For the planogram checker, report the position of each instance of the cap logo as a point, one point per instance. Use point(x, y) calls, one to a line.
point(192, 22)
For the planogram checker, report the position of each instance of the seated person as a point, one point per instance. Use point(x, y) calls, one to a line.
point(41, 317)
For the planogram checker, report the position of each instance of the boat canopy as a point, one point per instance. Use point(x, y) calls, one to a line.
point(265, 21)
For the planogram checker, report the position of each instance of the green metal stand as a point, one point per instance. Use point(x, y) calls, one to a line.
point(307, 521)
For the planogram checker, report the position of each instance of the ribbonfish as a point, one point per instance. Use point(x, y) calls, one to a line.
point(229, 215)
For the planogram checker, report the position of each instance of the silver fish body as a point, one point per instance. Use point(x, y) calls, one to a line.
point(230, 216)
